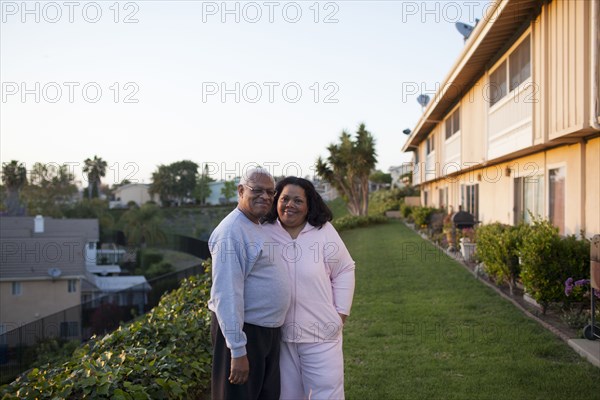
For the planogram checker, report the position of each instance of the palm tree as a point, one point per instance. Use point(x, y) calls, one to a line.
point(162, 184)
point(14, 177)
point(95, 170)
point(364, 161)
point(348, 168)
point(142, 226)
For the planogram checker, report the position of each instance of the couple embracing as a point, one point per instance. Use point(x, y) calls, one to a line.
point(283, 283)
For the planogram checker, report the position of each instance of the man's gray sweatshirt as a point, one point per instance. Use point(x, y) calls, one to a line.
point(250, 283)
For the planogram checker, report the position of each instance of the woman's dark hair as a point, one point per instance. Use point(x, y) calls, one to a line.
point(318, 212)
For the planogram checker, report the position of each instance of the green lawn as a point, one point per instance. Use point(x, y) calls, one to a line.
point(422, 327)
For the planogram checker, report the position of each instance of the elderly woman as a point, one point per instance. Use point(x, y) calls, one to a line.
point(322, 275)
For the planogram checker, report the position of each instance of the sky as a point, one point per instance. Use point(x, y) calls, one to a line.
point(228, 85)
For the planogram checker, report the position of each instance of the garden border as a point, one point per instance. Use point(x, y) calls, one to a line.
point(568, 335)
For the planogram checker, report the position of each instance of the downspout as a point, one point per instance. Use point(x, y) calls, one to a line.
point(594, 101)
point(582, 181)
point(595, 72)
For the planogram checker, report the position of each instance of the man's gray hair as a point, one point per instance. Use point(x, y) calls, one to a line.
point(251, 173)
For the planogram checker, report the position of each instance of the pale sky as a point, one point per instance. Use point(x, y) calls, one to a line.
point(146, 83)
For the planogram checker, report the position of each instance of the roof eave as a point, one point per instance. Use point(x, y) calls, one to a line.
point(491, 34)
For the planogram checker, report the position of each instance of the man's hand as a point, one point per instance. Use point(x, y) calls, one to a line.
point(240, 369)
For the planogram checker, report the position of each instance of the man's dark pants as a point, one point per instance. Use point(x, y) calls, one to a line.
point(262, 349)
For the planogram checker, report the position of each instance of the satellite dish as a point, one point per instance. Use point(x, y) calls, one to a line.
point(406, 131)
point(54, 272)
point(423, 100)
point(464, 29)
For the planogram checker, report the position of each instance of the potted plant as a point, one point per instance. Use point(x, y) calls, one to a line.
point(467, 244)
point(448, 230)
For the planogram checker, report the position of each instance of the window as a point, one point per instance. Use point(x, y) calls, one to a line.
point(515, 71)
point(520, 64)
point(425, 197)
point(498, 84)
point(443, 192)
point(430, 144)
point(69, 329)
point(72, 285)
point(556, 197)
point(453, 123)
point(529, 198)
point(470, 199)
point(17, 289)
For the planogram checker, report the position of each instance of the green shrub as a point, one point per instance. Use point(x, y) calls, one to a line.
point(159, 269)
point(498, 248)
point(405, 210)
point(435, 222)
point(385, 200)
point(548, 260)
point(422, 215)
point(166, 354)
point(49, 350)
point(355, 221)
point(149, 257)
point(575, 257)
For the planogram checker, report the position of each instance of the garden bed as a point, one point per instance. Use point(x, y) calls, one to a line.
point(552, 319)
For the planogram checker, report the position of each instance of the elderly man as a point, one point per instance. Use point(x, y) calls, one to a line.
point(250, 296)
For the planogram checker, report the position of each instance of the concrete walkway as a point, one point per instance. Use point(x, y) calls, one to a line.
point(589, 349)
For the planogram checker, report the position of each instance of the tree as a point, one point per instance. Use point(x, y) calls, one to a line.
point(175, 182)
point(380, 177)
point(229, 190)
point(95, 170)
point(185, 175)
point(94, 208)
point(162, 184)
point(14, 177)
point(142, 226)
point(51, 186)
point(348, 168)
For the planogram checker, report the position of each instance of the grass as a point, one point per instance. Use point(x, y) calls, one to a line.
point(423, 328)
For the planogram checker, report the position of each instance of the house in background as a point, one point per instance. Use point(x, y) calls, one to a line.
point(43, 263)
point(133, 192)
point(325, 189)
point(515, 126)
point(399, 174)
point(216, 197)
point(49, 265)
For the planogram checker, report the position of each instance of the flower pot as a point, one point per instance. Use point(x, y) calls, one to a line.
point(467, 250)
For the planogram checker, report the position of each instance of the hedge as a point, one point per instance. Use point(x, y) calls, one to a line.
point(355, 221)
point(547, 260)
point(498, 248)
point(166, 354)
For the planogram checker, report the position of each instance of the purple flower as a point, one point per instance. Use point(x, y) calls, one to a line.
point(568, 286)
point(582, 282)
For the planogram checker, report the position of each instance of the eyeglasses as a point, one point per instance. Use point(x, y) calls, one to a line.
point(261, 191)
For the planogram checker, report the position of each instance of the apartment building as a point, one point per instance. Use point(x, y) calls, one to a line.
point(514, 129)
